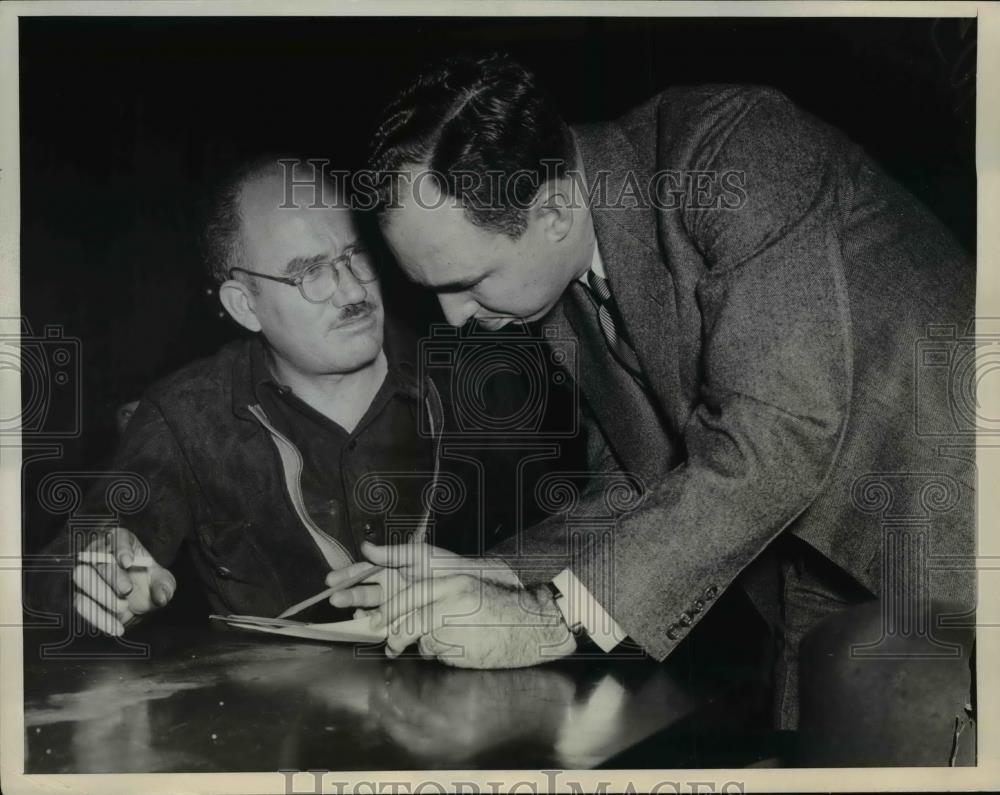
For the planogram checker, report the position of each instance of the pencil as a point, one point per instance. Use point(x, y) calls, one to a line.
point(361, 575)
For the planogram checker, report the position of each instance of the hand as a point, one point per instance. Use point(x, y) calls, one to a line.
point(367, 595)
point(111, 596)
point(405, 563)
point(468, 622)
point(419, 586)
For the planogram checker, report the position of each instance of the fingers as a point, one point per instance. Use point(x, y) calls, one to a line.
point(426, 647)
point(92, 585)
point(421, 561)
point(431, 647)
point(338, 576)
point(160, 594)
point(411, 627)
point(358, 596)
point(96, 616)
point(367, 594)
point(122, 544)
point(123, 547)
point(414, 596)
point(394, 555)
point(128, 549)
point(116, 577)
point(419, 611)
point(162, 585)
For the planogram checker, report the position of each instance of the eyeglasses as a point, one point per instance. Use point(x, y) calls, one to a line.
point(319, 282)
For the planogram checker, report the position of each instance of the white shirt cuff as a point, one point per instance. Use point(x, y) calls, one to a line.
point(580, 608)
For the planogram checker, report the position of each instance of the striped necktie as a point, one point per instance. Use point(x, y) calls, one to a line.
point(606, 313)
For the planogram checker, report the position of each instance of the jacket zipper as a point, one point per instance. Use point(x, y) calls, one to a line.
point(291, 461)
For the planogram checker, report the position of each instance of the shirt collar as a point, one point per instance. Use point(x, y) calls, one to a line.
point(596, 265)
point(401, 376)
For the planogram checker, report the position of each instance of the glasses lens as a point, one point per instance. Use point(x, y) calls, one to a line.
point(319, 282)
point(362, 265)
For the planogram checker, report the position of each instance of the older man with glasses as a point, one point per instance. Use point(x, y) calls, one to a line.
point(258, 459)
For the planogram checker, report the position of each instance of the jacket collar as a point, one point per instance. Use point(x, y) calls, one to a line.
point(241, 379)
point(250, 370)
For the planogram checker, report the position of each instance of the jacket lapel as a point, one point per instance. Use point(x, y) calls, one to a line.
point(617, 402)
point(638, 272)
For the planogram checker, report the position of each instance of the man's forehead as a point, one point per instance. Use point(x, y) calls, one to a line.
point(434, 253)
point(275, 234)
point(433, 223)
point(267, 196)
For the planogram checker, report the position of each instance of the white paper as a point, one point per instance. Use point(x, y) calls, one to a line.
point(358, 630)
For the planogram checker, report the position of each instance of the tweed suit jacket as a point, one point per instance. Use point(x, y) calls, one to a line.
point(782, 332)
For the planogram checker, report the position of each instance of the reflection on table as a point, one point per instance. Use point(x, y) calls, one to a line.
point(205, 701)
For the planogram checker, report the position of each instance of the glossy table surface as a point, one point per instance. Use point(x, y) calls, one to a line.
point(195, 700)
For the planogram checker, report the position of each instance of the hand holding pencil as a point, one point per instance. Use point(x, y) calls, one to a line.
point(116, 580)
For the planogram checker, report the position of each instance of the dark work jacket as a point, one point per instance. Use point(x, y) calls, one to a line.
point(207, 472)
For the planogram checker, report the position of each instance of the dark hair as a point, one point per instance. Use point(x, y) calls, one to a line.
point(483, 117)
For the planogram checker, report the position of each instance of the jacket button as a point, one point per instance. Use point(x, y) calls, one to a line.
point(672, 632)
point(685, 620)
point(697, 606)
point(711, 591)
point(224, 571)
point(368, 530)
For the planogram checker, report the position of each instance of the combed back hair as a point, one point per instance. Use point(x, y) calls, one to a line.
point(223, 233)
point(486, 117)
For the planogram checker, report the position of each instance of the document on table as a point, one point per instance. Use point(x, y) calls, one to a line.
point(358, 630)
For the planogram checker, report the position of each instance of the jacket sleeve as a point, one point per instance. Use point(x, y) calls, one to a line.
point(774, 392)
point(146, 490)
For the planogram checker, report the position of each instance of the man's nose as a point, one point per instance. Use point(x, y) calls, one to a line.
point(349, 290)
point(457, 308)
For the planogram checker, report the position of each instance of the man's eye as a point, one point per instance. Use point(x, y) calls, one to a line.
point(315, 272)
point(460, 288)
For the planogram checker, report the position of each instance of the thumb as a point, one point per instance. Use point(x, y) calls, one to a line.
point(380, 555)
point(394, 556)
point(162, 585)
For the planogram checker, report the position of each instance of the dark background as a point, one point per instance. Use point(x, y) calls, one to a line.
point(125, 122)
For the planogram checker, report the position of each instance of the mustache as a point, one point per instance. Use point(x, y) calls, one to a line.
point(355, 311)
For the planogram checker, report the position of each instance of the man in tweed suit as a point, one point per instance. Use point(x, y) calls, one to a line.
point(748, 291)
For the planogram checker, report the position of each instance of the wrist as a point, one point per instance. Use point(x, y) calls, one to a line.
point(553, 617)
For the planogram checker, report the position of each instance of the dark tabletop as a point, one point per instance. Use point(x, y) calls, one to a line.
point(198, 700)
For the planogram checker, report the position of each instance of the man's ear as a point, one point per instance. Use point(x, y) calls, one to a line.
point(239, 303)
point(553, 208)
